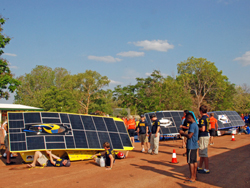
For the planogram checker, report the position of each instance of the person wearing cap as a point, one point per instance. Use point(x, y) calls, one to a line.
point(131, 125)
point(142, 132)
point(41, 160)
point(154, 135)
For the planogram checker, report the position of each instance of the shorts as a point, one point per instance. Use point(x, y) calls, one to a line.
point(191, 156)
point(42, 160)
point(6, 141)
point(212, 132)
point(131, 132)
point(203, 145)
point(143, 138)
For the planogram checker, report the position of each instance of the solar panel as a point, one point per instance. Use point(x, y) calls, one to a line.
point(29, 131)
point(228, 119)
point(170, 121)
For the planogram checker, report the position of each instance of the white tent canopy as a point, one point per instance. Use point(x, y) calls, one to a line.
point(10, 107)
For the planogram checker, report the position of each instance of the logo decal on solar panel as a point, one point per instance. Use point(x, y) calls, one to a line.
point(165, 122)
point(223, 119)
point(45, 129)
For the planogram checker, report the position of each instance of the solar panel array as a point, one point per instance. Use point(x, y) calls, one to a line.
point(174, 117)
point(80, 132)
point(232, 119)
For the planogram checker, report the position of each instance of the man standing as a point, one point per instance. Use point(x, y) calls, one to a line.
point(192, 146)
point(131, 125)
point(246, 119)
point(204, 122)
point(184, 127)
point(154, 135)
point(142, 132)
point(214, 128)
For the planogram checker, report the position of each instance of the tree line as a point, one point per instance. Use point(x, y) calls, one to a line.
point(198, 82)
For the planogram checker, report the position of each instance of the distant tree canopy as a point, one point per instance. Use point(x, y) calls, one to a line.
point(198, 82)
point(58, 90)
point(7, 82)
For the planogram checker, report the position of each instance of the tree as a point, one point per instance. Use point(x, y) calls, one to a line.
point(7, 82)
point(89, 84)
point(57, 100)
point(200, 77)
point(153, 93)
point(35, 85)
point(241, 100)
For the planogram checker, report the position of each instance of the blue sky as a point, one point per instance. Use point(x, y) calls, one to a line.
point(127, 39)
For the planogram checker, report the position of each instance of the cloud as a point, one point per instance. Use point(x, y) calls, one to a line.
point(115, 82)
point(158, 45)
point(9, 54)
point(244, 59)
point(107, 59)
point(131, 54)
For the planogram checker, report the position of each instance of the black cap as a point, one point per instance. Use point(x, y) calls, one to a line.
point(152, 116)
point(142, 115)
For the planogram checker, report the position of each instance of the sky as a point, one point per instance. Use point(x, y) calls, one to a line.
point(125, 39)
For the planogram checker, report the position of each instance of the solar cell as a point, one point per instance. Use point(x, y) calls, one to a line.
point(170, 121)
point(228, 119)
point(31, 131)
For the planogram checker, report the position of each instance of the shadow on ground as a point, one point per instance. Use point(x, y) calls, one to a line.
point(229, 169)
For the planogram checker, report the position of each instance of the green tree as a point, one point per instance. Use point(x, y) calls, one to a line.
point(200, 77)
point(153, 93)
point(241, 100)
point(35, 85)
point(88, 85)
point(57, 100)
point(7, 82)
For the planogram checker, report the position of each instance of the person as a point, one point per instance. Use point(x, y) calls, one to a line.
point(204, 122)
point(213, 128)
point(131, 125)
point(192, 146)
point(242, 117)
point(184, 127)
point(243, 129)
point(125, 120)
point(154, 135)
point(142, 132)
point(6, 143)
point(108, 154)
point(41, 160)
point(246, 119)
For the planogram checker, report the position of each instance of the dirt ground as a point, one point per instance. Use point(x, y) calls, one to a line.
point(229, 167)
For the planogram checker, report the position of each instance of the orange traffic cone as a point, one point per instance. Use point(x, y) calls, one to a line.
point(174, 159)
point(233, 139)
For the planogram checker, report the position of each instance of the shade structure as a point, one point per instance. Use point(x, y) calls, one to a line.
point(32, 131)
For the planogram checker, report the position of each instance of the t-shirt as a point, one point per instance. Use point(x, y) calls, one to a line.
point(107, 159)
point(142, 127)
point(131, 124)
point(192, 143)
point(213, 121)
point(59, 163)
point(155, 125)
point(204, 121)
point(246, 119)
point(186, 124)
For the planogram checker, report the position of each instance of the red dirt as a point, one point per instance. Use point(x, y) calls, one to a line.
point(229, 167)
